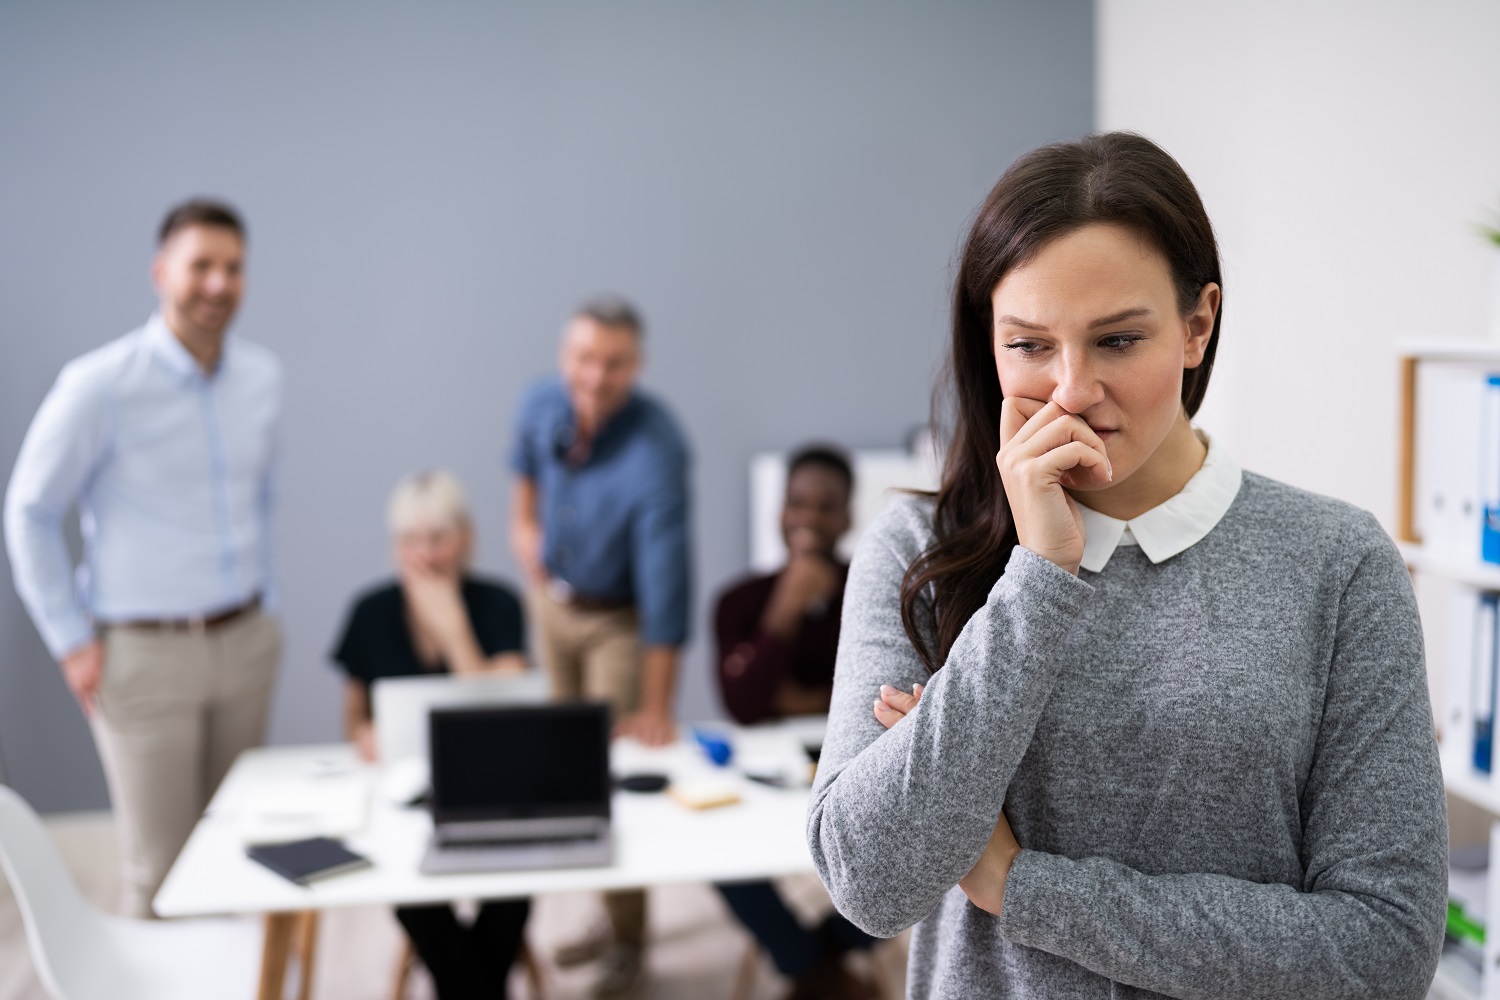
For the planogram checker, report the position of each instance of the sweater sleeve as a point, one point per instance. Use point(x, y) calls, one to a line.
point(899, 816)
point(1367, 920)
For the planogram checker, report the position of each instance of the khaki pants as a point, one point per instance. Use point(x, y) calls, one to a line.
point(595, 655)
point(174, 710)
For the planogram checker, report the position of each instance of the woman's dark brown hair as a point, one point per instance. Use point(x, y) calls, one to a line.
point(1118, 178)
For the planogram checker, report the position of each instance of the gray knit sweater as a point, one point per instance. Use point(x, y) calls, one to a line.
point(1221, 768)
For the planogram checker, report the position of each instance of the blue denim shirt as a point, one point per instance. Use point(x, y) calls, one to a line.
point(615, 527)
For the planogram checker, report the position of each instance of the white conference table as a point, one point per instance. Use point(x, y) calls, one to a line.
point(325, 789)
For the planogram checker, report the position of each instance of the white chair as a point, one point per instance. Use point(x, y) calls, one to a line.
point(83, 954)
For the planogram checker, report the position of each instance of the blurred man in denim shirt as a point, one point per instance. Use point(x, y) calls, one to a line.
point(599, 524)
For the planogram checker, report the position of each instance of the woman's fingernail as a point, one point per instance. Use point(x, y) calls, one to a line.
point(886, 689)
point(917, 689)
point(1109, 470)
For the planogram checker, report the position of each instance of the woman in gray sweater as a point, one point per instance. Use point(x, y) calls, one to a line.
point(1169, 731)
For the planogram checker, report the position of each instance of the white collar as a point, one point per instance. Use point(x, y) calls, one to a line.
point(1176, 524)
point(175, 353)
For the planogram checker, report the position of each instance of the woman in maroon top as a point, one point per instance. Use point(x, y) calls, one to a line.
point(778, 636)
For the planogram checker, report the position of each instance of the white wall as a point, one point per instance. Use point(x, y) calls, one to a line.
point(1344, 150)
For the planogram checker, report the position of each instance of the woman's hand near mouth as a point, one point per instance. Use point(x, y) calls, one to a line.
point(1044, 452)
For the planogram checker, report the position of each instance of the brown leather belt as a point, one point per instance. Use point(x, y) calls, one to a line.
point(568, 597)
point(597, 603)
point(199, 624)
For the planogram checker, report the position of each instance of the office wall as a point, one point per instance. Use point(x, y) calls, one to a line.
point(429, 190)
point(1345, 151)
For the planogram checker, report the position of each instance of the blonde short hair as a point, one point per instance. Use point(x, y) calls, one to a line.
point(430, 497)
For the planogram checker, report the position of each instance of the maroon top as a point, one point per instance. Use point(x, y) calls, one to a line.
point(752, 663)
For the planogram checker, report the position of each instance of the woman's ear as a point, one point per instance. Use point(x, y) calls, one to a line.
point(1200, 326)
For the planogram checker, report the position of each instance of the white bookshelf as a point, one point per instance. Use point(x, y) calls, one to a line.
point(1460, 778)
point(1455, 981)
point(1476, 574)
point(1462, 782)
point(1481, 351)
point(1451, 982)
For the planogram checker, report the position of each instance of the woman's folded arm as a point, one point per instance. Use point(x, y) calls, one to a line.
point(899, 816)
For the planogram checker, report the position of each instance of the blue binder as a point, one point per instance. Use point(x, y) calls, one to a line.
point(1486, 662)
point(1489, 471)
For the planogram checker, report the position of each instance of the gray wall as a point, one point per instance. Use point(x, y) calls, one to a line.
point(780, 185)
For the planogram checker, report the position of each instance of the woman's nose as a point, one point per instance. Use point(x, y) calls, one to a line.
point(1078, 386)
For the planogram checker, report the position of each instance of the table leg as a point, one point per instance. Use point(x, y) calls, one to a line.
point(307, 951)
point(288, 935)
point(275, 951)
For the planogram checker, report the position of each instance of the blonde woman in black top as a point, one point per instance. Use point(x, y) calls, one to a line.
point(437, 618)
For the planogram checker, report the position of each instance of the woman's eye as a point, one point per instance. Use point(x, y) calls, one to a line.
point(1023, 347)
point(1120, 341)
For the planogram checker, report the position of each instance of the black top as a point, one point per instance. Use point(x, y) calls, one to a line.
point(377, 642)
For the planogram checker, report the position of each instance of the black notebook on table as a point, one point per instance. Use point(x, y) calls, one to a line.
point(304, 861)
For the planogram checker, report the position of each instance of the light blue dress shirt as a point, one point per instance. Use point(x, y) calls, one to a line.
point(172, 471)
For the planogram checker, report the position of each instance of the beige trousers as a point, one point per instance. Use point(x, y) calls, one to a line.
point(174, 710)
point(594, 655)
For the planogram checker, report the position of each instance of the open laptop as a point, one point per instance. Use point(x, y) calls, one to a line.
point(519, 787)
point(401, 705)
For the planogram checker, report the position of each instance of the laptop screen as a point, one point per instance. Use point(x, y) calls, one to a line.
point(520, 761)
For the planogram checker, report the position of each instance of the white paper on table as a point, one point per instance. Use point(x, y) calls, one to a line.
point(310, 806)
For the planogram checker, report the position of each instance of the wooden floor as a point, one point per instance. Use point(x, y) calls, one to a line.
point(695, 952)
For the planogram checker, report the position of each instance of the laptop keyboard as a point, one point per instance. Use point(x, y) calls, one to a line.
point(472, 854)
point(490, 845)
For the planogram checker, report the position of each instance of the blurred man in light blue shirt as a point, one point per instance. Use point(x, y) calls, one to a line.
point(164, 441)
